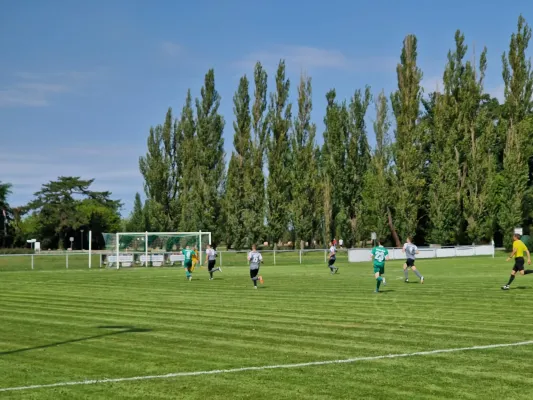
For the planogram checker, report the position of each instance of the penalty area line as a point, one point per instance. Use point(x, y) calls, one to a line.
point(260, 368)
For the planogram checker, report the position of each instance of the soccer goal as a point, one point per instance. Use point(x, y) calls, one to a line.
point(155, 249)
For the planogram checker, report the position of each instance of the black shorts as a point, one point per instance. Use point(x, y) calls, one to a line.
point(410, 262)
point(188, 264)
point(211, 264)
point(331, 261)
point(253, 273)
point(518, 264)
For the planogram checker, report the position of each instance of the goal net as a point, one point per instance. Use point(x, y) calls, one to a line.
point(154, 249)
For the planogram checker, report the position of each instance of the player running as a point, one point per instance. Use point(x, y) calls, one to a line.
point(519, 248)
point(332, 258)
point(410, 251)
point(211, 258)
point(379, 254)
point(188, 254)
point(255, 259)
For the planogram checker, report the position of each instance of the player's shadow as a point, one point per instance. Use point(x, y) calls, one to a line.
point(523, 287)
point(118, 330)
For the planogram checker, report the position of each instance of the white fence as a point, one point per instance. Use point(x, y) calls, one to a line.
point(361, 255)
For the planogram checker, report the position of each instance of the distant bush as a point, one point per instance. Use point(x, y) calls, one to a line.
point(16, 251)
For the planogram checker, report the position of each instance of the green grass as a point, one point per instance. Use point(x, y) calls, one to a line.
point(57, 326)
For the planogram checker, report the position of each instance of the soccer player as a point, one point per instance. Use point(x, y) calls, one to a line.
point(410, 251)
point(379, 254)
point(255, 259)
point(519, 248)
point(211, 258)
point(188, 254)
point(332, 258)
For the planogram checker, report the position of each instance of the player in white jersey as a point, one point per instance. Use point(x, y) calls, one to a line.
point(211, 258)
point(332, 258)
point(410, 251)
point(255, 259)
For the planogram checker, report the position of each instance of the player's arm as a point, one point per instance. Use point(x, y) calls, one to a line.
point(528, 255)
point(512, 254)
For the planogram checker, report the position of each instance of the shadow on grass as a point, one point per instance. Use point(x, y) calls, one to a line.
point(523, 287)
point(119, 330)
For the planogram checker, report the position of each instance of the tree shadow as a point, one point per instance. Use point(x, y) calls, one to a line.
point(119, 329)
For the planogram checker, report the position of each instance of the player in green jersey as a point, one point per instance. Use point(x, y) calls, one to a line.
point(379, 255)
point(188, 254)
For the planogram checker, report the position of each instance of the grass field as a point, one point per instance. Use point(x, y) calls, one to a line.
point(60, 326)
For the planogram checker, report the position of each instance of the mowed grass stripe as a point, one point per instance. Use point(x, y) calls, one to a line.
point(298, 317)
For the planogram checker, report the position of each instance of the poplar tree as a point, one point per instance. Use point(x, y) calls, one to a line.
point(278, 184)
point(516, 123)
point(161, 172)
point(238, 186)
point(256, 207)
point(357, 161)
point(408, 149)
point(376, 186)
point(304, 177)
point(209, 157)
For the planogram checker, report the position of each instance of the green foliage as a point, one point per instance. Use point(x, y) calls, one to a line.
point(408, 148)
point(160, 168)
point(209, 158)
point(135, 222)
point(65, 206)
point(516, 125)
point(239, 179)
point(376, 184)
point(279, 160)
point(304, 172)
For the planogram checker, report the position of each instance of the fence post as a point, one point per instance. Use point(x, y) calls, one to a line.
point(274, 255)
point(67, 259)
point(32, 261)
point(90, 248)
point(221, 259)
point(100, 259)
point(325, 256)
point(300, 256)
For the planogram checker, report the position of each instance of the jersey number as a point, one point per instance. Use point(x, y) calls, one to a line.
point(255, 259)
point(380, 256)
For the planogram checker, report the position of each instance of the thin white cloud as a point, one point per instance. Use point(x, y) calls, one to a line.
point(171, 49)
point(38, 89)
point(113, 169)
point(313, 58)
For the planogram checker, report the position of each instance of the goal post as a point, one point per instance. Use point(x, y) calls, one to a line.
point(128, 249)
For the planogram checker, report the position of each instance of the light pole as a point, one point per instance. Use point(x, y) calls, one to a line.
point(82, 240)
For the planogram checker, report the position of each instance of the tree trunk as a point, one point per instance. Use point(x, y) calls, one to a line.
point(393, 229)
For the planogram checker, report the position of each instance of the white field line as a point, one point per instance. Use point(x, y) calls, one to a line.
point(261, 368)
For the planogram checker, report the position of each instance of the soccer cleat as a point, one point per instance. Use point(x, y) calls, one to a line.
point(422, 280)
point(336, 269)
point(376, 291)
point(255, 287)
point(219, 269)
point(189, 278)
point(406, 281)
point(384, 281)
point(261, 280)
point(210, 279)
point(505, 287)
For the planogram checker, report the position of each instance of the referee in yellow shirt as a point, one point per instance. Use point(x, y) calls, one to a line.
point(519, 248)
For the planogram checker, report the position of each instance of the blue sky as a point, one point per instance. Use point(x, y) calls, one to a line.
point(81, 82)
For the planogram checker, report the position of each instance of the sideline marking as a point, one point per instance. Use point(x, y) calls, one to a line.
point(261, 368)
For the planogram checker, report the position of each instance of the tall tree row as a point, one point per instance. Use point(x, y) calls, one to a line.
point(450, 166)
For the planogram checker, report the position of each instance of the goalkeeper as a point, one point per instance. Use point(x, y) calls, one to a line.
point(188, 254)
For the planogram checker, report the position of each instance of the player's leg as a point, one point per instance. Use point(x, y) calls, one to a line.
point(406, 271)
point(417, 273)
point(382, 274)
point(379, 279)
point(210, 269)
point(331, 261)
point(188, 270)
point(518, 267)
point(253, 276)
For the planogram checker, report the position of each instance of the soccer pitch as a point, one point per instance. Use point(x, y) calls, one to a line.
point(221, 339)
